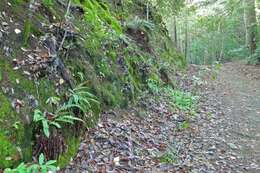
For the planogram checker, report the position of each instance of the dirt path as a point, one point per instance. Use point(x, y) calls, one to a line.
point(240, 95)
point(224, 137)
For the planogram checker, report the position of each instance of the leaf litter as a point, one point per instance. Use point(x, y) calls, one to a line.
point(153, 137)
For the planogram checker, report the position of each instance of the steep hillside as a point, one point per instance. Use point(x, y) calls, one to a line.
point(52, 51)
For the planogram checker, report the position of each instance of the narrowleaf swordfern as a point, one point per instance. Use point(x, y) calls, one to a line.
point(79, 99)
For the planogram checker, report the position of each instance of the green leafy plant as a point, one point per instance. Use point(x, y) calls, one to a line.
point(53, 101)
point(169, 156)
point(47, 119)
point(184, 125)
point(216, 67)
point(41, 167)
point(81, 98)
point(81, 77)
point(40, 117)
point(153, 86)
point(138, 23)
point(183, 100)
point(22, 168)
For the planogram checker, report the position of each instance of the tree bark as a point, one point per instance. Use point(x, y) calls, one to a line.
point(250, 24)
point(186, 39)
point(175, 37)
point(147, 11)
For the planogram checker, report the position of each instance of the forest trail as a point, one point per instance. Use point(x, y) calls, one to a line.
point(239, 89)
point(224, 136)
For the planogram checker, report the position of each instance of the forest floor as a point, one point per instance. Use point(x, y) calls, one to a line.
point(224, 136)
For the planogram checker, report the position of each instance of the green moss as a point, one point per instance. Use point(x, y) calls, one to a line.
point(1, 75)
point(26, 32)
point(12, 76)
point(73, 146)
point(8, 152)
point(46, 89)
point(5, 107)
point(9, 120)
point(112, 54)
point(154, 76)
point(11, 126)
point(111, 95)
point(48, 3)
point(41, 18)
point(17, 2)
point(26, 144)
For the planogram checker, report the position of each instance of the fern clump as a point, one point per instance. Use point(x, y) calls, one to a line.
point(80, 102)
point(142, 24)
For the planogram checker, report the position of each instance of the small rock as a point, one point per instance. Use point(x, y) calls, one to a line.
point(4, 24)
point(233, 158)
point(27, 73)
point(61, 81)
point(213, 148)
point(116, 160)
point(7, 51)
point(232, 146)
point(16, 68)
point(17, 31)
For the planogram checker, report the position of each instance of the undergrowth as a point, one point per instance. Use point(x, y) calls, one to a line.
point(184, 101)
point(170, 156)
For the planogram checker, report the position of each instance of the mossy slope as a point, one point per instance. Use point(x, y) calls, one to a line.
point(119, 53)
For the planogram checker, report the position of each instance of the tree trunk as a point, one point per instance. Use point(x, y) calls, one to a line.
point(186, 39)
point(147, 11)
point(250, 24)
point(175, 37)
